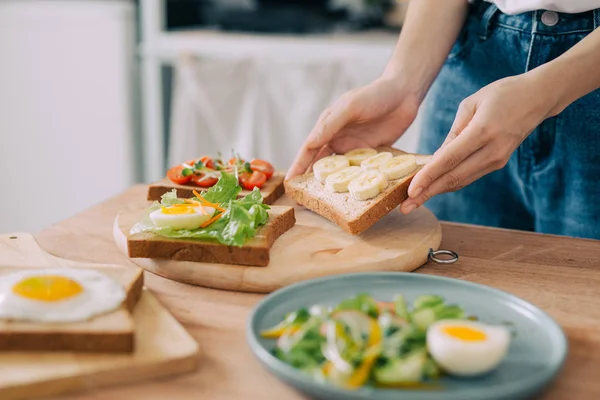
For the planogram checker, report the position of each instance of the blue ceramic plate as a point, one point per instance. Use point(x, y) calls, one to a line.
point(536, 353)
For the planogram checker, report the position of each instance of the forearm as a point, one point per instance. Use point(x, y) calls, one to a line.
point(430, 29)
point(572, 75)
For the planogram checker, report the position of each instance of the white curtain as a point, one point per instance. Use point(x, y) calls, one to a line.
point(262, 107)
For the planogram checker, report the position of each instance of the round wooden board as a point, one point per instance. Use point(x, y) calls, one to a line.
point(314, 247)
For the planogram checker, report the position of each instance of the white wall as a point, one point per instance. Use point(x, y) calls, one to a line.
point(65, 107)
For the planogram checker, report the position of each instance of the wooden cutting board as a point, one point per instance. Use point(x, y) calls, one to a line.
point(314, 247)
point(163, 347)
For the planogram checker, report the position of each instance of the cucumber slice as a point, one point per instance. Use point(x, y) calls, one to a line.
point(423, 318)
point(451, 312)
point(427, 301)
point(431, 369)
point(400, 307)
point(363, 303)
point(358, 323)
point(402, 370)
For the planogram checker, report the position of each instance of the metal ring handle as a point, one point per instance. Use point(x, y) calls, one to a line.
point(433, 256)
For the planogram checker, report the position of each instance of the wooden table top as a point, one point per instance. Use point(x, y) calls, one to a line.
point(560, 275)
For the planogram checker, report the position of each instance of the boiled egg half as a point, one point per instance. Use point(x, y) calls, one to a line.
point(58, 295)
point(188, 215)
point(467, 348)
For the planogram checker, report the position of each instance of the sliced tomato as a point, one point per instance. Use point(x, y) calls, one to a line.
point(251, 180)
point(235, 160)
point(208, 162)
point(203, 180)
point(262, 166)
point(175, 174)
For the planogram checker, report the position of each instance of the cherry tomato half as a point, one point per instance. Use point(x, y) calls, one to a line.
point(251, 180)
point(235, 160)
point(262, 166)
point(208, 162)
point(175, 174)
point(203, 180)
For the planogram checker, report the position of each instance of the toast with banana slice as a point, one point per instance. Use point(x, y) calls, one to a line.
point(357, 189)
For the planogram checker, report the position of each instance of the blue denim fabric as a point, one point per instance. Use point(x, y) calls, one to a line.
point(550, 183)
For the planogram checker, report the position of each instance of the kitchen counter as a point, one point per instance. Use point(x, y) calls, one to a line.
point(558, 274)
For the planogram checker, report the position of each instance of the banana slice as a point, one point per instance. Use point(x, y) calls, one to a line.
point(376, 161)
point(338, 181)
point(368, 185)
point(399, 166)
point(328, 165)
point(359, 155)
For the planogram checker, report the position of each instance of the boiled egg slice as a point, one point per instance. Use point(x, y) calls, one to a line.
point(182, 216)
point(466, 348)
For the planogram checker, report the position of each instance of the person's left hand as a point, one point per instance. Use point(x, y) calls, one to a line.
point(488, 127)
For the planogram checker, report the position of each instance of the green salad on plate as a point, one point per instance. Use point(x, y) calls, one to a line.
point(361, 341)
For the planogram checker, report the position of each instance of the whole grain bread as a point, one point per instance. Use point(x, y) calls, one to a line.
point(353, 216)
point(271, 191)
point(112, 332)
point(254, 252)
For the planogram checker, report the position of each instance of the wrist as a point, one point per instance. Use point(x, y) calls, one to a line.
point(406, 82)
point(559, 82)
point(552, 86)
point(402, 90)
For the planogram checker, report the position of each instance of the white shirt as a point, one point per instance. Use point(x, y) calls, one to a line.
point(565, 6)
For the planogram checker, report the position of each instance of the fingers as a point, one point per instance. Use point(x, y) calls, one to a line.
point(464, 114)
point(442, 163)
point(306, 158)
point(474, 167)
point(446, 159)
point(323, 152)
point(303, 160)
point(331, 122)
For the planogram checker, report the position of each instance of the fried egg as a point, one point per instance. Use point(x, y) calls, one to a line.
point(58, 295)
point(182, 216)
point(466, 348)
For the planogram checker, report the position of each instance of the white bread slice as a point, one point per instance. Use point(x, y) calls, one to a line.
point(353, 216)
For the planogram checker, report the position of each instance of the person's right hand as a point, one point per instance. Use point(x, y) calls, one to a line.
point(370, 116)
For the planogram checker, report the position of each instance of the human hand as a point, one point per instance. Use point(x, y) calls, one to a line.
point(370, 116)
point(488, 127)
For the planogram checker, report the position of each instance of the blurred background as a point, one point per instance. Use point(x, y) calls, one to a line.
point(97, 95)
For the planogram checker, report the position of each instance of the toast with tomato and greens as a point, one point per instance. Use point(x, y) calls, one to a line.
point(204, 172)
point(214, 226)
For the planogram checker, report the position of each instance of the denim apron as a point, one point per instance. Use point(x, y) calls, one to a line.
point(550, 183)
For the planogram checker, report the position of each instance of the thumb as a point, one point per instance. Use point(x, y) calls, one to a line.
point(331, 122)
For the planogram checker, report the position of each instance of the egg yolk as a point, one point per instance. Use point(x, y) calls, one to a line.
point(47, 288)
point(465, 333)
point(179, 209)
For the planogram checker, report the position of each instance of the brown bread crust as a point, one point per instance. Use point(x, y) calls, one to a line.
point(255, 252)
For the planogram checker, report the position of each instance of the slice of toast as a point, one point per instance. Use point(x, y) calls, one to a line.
point(353, 216)
point(112, 332)
point(254, 252)
point(271, 191)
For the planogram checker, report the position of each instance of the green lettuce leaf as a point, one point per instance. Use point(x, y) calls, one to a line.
point(238, 223)
point(224, 190)
point(170, 198)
